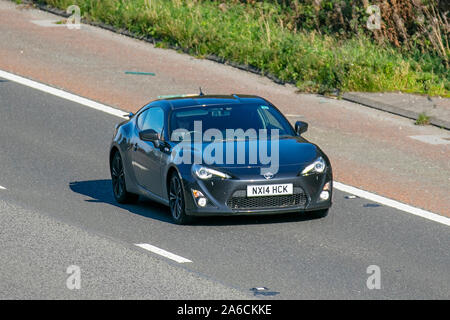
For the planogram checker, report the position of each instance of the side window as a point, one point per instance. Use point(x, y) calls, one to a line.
point(273, 120)
point(274, 123)
point(141, 118)
point(154, 119)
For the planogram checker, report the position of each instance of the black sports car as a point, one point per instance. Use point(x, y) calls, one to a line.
point(218, 155)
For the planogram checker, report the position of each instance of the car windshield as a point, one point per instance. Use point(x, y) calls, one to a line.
point(240, 116)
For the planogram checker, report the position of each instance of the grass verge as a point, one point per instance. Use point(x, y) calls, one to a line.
point(253, 35)
point(422, 120)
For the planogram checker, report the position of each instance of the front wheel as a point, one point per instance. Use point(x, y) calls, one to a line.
point(118, 182)
point(176, 201)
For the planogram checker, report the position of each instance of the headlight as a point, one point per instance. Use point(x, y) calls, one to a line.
point(205, 173)
point(317, 166)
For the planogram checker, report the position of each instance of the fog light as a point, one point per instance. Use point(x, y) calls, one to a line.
point(324, 195)
point(201, 202)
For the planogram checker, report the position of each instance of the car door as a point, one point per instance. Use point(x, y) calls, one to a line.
point(146, 156)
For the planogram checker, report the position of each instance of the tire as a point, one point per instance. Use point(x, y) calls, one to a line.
point(176, 201)
point(118, 182)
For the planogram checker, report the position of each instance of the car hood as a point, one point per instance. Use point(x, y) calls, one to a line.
point(294, 153)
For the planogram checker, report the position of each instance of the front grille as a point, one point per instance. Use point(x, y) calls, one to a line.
point(239, 200)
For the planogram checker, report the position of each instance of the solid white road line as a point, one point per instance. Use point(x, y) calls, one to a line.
point(62, 94)
point(2, 188)
point(340, 186)
point(392, 203)
point(162, 252)
point(294, 115)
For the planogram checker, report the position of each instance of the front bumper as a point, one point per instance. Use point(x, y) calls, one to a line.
point(218, 191)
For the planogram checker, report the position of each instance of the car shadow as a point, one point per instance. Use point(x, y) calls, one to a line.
point(257, 219)
point(101, 192)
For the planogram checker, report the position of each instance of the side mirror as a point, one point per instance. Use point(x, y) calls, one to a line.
point(130, 115)
point(149, 135)
point(301, 127)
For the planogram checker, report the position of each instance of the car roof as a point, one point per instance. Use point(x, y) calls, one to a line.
point(209, 100)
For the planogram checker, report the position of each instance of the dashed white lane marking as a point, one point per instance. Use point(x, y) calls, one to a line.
point(392, 203)
point(2, 188)
point(432, 139)
point(340, 186)
point(62, 94)
point(162, 252)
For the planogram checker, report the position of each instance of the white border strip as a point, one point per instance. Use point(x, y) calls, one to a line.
point(62, 94)
point(392, 203)
point(162, 252)
point(2, 188)
point(340, 186)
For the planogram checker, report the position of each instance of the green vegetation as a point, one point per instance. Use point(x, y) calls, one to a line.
point(422, 120)
point(297, 41)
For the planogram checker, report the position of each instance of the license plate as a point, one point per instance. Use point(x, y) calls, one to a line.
point(270, 190)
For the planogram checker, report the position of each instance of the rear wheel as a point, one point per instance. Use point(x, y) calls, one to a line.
point(118, 181)
point(176, 201)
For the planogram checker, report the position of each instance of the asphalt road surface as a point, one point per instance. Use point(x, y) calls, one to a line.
point(58, 210)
